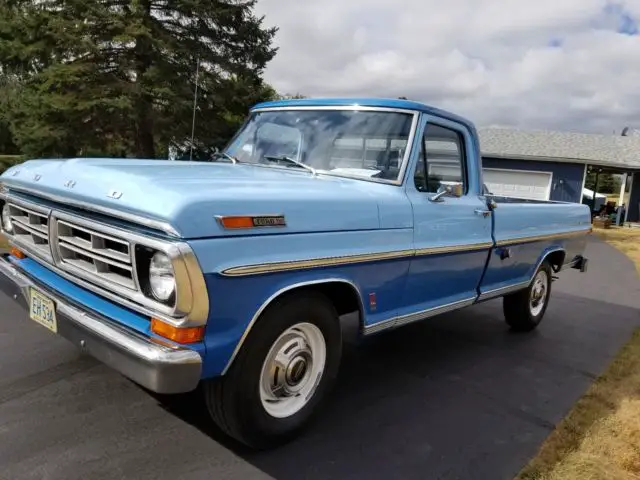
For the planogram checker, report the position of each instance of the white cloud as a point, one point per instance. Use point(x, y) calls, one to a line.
point(543, 64)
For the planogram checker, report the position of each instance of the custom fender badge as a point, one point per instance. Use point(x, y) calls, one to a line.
point(114, 194)
point(37, 177)
point(269, 221)
point(250, 221)
point(70, 183)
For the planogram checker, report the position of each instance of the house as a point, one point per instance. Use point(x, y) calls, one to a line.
point(552, 165)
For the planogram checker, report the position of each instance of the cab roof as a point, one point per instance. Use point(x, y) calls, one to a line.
point(368, 102)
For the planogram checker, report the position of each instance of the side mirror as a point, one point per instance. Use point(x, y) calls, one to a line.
point(454, 190)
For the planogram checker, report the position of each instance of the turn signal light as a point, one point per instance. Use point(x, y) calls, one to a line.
point(237, 222)
point(176, 334)
point(17, 253)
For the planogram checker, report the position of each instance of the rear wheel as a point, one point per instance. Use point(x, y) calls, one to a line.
point(284, 370)
point(524, 310)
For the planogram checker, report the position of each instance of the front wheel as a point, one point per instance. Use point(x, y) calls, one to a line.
point(285, 368)
point(524, 310)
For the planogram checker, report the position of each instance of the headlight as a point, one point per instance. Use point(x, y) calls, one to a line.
point(7, 225)
point(162, 279)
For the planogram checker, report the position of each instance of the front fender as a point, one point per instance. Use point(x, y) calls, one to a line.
point(237, 304)
point(352, 258)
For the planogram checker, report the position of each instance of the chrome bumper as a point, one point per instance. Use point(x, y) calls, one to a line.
point(159, 368)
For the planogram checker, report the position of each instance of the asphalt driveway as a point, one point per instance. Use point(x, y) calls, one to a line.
point(456, 397)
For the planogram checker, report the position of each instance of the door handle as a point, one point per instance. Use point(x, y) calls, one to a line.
point(484, 213)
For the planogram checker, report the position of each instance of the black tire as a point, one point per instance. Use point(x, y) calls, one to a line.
point(519, 311)
point(234, 400)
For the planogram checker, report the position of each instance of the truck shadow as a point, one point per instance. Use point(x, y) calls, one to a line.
point(457, 396)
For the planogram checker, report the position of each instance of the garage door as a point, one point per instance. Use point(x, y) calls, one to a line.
point(518, 183)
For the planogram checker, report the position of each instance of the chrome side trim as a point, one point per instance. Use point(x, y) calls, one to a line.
point(162, 368)
point(415, 114)
point(498, 292)
point(129, 217)
point(539, 238)
point(314, 263)
point(453, 249)
point(269, 300)
point(348, 259)
point(274, 267)
point(401, 320)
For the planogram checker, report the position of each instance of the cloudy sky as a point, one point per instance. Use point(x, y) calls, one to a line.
point(550, 64)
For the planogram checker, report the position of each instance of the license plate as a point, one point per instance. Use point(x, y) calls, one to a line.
point(43, 310)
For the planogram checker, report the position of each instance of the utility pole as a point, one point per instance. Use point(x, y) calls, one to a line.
point(195, 104)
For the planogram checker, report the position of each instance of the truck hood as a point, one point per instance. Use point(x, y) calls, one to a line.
point(189, 195)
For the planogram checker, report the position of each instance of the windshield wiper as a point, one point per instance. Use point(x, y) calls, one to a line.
point(284, 158)
point(233, 159)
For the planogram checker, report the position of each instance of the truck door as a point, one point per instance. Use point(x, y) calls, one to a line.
point(452, 233)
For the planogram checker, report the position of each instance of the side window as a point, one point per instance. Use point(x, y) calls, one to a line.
point(441, 161)
point(357, 152)
point(371, 153)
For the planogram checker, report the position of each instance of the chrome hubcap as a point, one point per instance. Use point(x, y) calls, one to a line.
point(292, 370)
point(538, 293)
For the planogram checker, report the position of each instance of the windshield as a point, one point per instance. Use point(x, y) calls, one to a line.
point(369, 144)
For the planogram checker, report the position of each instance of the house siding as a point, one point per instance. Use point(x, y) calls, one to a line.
point(570, 173)
point(634, 201)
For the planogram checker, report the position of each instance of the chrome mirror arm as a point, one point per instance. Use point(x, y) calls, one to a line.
point(438, 196)
point(446, 191)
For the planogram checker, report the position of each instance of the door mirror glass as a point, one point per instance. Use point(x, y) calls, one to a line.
point(454, 189)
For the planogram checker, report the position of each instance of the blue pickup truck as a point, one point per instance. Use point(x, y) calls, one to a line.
point(230, 275)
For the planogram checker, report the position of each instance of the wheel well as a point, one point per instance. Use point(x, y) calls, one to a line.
point(344, 296)
point(556, 259)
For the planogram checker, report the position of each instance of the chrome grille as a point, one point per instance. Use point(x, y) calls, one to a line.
point(83, 250)
point(101, 257)
point(30, 228)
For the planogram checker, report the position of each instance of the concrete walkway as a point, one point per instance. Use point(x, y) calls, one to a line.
point(457, 397)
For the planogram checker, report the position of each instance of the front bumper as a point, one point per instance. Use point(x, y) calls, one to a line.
point(157, 367)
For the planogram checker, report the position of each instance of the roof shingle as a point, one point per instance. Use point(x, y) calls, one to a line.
point(602, 150)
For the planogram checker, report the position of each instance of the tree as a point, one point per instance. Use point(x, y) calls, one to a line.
point(607, 182)
point(118, 77)
point(7, 143)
